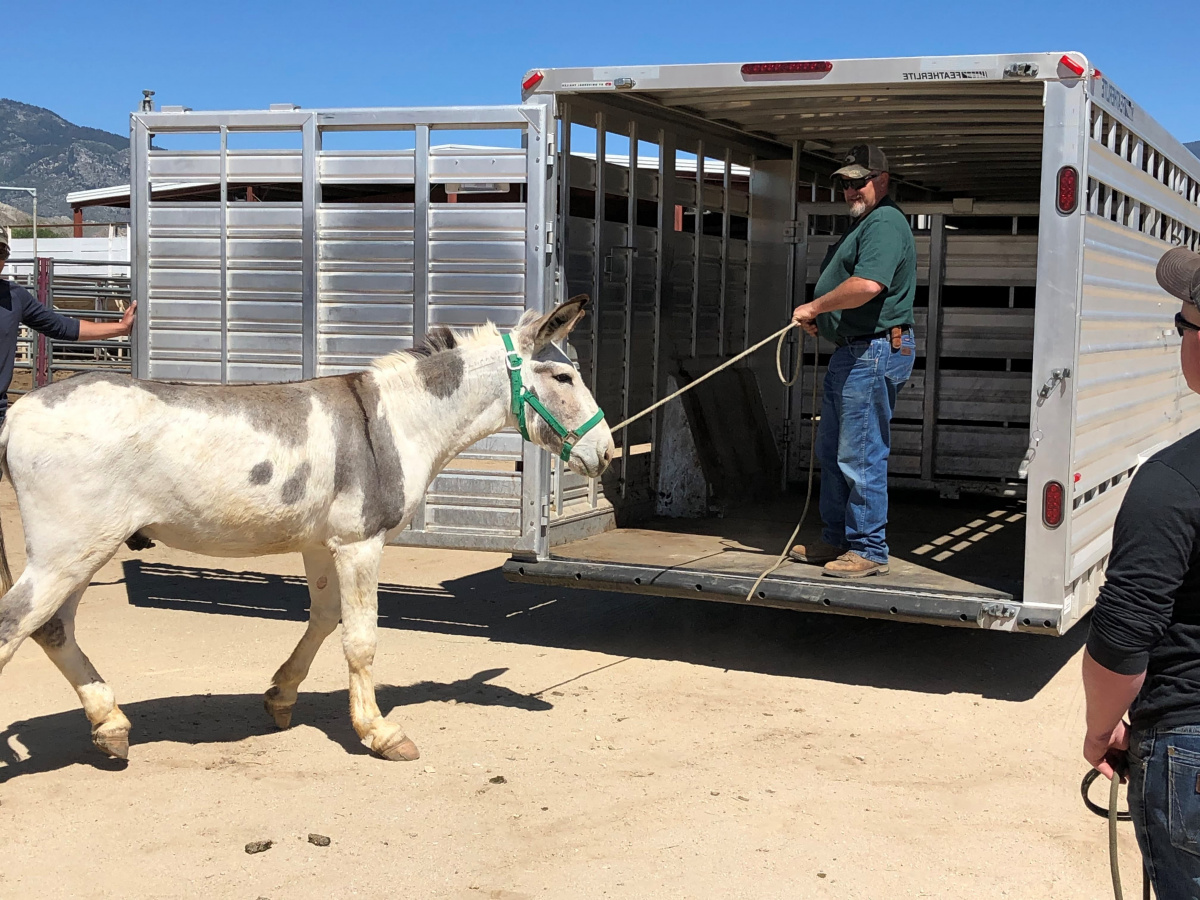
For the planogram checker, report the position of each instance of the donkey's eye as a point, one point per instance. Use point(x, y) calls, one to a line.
point(563, 378)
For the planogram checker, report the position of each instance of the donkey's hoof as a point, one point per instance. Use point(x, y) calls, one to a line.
point(399, 747)
point(276, 710)
point(114, 743)
point(281, 714)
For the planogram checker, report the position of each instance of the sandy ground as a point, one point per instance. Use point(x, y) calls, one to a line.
point(644, 748)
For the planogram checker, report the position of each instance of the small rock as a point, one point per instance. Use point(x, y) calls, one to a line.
point(498, 779)
point(743, 799)
point(820, 874)
point(715, 793)
point(430, 770)
point(259, 846)
point(318, 840)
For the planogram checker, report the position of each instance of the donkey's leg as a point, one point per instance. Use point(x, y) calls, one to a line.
point(324, 610)
point(358, 575)
point(110, 728)
point(35, 597)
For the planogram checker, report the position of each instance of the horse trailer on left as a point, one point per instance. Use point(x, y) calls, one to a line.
point(694, 205)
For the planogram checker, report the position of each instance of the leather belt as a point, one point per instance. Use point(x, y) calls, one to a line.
point(893, 333)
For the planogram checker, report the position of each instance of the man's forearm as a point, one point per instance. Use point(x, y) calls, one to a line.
point(1108, 695)
point(100, 331)
point(850, 294)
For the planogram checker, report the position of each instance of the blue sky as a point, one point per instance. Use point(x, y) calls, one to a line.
point(89, 61)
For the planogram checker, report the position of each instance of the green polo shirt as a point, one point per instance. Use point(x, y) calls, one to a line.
point(879, 247)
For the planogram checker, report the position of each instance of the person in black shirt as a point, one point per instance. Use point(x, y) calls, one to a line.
point(19, 307)
point(1143, 647)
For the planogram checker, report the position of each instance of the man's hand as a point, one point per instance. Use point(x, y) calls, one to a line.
point(806, 317)
point(127, 319)
point(1095, 747)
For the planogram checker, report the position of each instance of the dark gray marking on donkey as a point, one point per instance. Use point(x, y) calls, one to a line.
point(295, 487)
point(366, 457)
point(14, 606)
point(440, 369)
point(52, 635)
point(441, 374)
point(262, 472)
point(280, 410)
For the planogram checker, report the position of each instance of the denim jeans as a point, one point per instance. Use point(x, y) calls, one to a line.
point(854, 439)
point(1164, 802)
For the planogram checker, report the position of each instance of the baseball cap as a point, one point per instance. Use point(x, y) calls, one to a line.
point(1178, 273)
point(861, 161)
point(4, 248)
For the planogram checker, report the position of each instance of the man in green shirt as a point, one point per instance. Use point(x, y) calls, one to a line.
point(863, 303)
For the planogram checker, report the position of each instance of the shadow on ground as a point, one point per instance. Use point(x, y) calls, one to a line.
point(62, 739)
point(841, 649)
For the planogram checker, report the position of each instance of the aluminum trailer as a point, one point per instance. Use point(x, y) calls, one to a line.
point(694, 204)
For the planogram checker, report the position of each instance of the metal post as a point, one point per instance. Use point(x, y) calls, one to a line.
point(698, 230)
point(933, 335)
point(723, 300)
point(664, 248)
point(630, 252)
point(310, 201)
point(139, 246)
point(420, 314)
point(598, 251)
point(41, 360)
point(224, 254)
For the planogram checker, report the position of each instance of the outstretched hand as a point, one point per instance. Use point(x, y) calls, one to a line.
point(127, 319)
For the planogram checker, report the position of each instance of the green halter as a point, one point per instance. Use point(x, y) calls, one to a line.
point(522, 395)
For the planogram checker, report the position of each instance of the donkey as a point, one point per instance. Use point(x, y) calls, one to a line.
point(331, 467)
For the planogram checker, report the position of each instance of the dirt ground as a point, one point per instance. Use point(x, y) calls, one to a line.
point(575, 745)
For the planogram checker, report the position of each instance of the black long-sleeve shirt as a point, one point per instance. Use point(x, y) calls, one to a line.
point(1148, 614)
point(18, 306)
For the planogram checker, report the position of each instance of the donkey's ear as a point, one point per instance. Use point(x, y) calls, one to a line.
point(556, 324)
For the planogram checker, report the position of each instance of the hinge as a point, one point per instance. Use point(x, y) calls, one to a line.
point(792, 231)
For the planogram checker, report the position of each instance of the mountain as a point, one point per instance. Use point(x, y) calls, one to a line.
point(42, 150)
point(1194, 146)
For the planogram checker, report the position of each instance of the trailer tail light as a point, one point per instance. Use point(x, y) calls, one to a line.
point(1052, 504)
point(788, 68)
point(532, 81)
point(1067, 63)
point(1068, 189)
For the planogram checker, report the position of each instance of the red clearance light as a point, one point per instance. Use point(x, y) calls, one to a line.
point(1052, 504)
point(1096, 73)
point(532, 81)
point(787, 68)
point(1069, 63)
point(1068, 190)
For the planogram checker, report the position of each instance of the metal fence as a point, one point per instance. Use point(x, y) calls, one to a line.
point(69, 288)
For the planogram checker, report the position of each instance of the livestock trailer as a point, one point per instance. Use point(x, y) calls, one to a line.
point(694, 204)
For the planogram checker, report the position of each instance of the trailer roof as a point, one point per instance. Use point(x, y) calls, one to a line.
point(949, 125)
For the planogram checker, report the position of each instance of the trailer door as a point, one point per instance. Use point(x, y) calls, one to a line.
point(1138, 200)
point(273, 253)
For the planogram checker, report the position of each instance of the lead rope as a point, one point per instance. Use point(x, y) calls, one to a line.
point(780, 336)
point(1114, 816)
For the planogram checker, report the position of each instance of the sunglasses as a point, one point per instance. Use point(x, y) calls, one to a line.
point(1182, 324)
point(857, 184)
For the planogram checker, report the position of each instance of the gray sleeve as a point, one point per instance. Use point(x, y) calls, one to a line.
point(37, 317)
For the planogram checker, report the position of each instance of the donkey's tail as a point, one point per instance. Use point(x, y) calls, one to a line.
point(6, 579)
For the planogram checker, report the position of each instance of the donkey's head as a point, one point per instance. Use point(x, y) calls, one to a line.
point(553, 383)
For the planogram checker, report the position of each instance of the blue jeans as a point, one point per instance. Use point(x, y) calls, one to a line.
point(854, 439)
point(1164, 802)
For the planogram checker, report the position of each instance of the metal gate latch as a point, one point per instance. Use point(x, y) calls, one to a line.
point(1057, 377)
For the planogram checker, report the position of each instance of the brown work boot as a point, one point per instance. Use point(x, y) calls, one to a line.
point(851, 565)
point(815, 554)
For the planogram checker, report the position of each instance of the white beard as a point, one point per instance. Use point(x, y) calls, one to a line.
point(858, 208)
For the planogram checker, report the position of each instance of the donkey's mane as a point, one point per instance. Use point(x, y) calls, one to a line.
point(439, 340)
